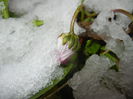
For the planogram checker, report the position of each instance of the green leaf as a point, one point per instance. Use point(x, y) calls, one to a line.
point(38, 23)
point(88, 43)
point(103, 48)
point(94, 48)
point(114, 59)
point(4, 11)
point(115, 67)
point(111, 57)
point(91, 47)
point(89, 19)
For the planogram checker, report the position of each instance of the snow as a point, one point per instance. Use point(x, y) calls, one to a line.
point(101, 82)
point(28, 61)
point(101, 5)
point(2, 5)
point(89, 77)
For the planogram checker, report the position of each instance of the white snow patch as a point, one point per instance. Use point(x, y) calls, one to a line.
point(86, 83)
point(27, 58)
point(100, 5)
point(2, 6)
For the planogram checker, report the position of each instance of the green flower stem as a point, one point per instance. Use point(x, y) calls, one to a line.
point(74, 18)
point(82, 1)
point(82, 14)
point(124, 12)
point(5, 12)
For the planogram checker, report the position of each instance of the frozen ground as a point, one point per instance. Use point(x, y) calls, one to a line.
point(95, 80)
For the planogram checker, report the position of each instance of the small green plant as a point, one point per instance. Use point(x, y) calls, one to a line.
point(95, 47)
point(38, 22)
point(91, 47)
point(4, 9)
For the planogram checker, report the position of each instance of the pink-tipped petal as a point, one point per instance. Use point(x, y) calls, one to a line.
point(63, 51)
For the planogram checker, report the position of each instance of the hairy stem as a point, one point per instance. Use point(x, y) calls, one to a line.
point(74, 18)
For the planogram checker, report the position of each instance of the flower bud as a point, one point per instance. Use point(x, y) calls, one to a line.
point(63, 51)
point(67, 44)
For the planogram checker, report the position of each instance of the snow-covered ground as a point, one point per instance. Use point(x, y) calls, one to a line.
point(27, 53)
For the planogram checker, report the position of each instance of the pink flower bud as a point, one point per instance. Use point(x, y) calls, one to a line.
point(63, 52)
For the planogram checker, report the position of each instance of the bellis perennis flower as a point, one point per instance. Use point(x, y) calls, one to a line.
point(67, 44)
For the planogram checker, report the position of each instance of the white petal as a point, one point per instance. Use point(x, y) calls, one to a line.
point(63, 51)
